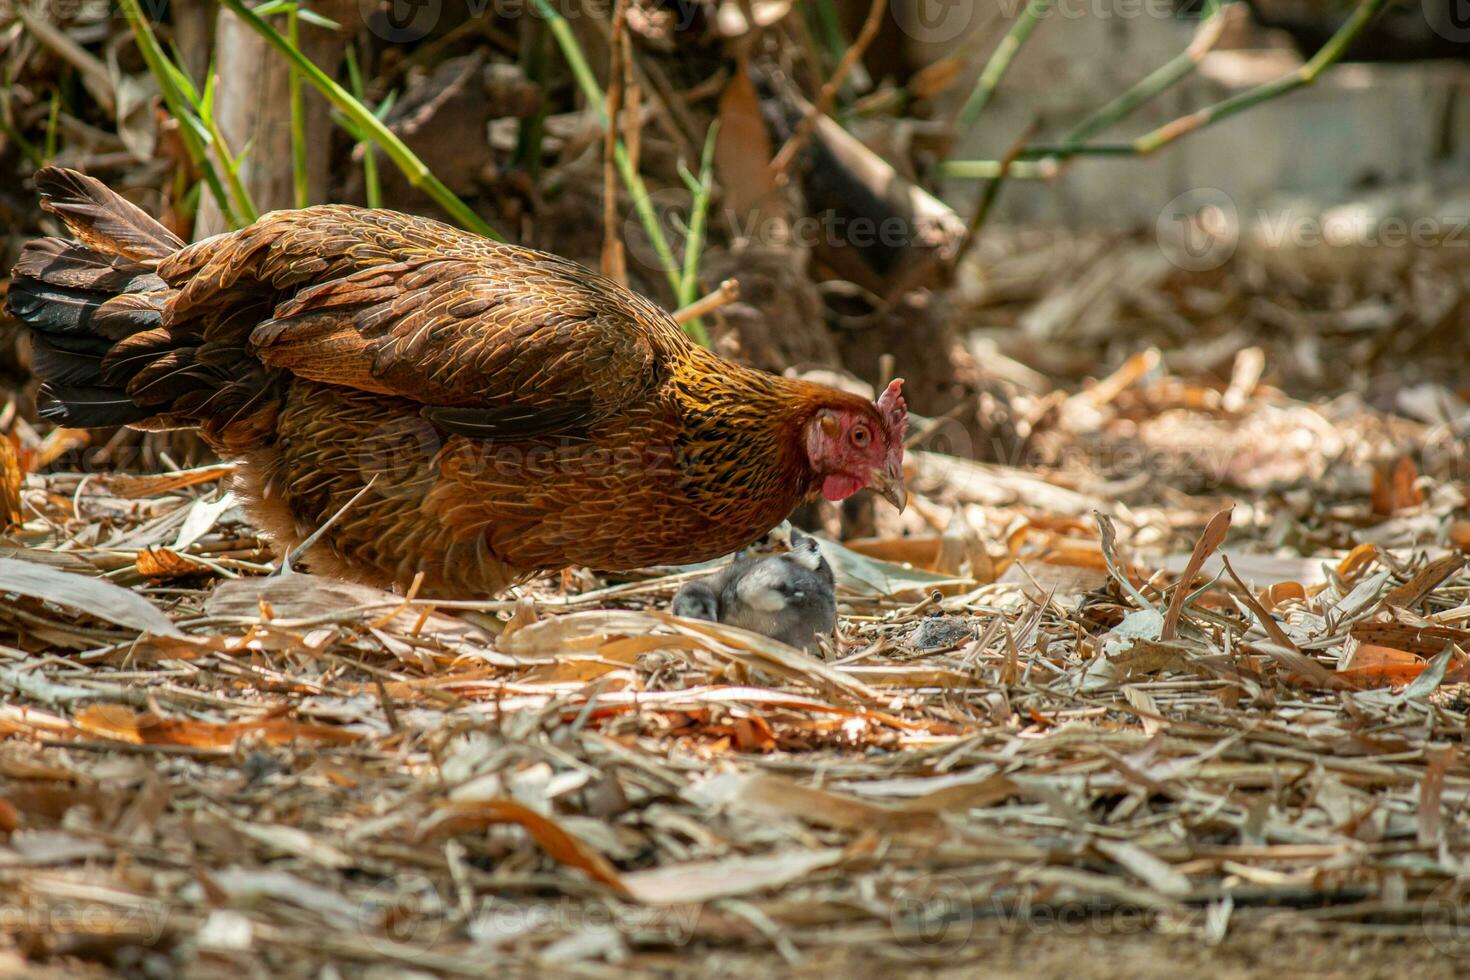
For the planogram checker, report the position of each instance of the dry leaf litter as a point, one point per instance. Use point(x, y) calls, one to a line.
point(1197, 671)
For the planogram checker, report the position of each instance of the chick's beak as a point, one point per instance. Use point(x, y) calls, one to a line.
point(889, 483)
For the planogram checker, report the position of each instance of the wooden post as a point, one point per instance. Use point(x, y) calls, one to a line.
point(253, 109)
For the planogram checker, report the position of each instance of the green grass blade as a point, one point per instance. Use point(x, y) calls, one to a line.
point(372, 186)
point(300, 177)
point(179, 105)
point(637, 190)
point(702, 190)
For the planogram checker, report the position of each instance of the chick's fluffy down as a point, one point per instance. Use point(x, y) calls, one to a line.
point(789, 597)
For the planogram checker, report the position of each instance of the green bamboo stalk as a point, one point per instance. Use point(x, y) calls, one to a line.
point(195, 142)
point(1000, 61)
point(185, 193)
point(1326, 57)
point(372, 185)
point(294, 13)
point(1064, 150)
point(245, 209)
point(702, 190)
point(991, 169)
point(1172, 72)
point(413, 168)
point(990, 195)
point(534, 61)
point(587, 81)
point(300, 179)
point(829, 27)
point(1150, 142)
point(572, 52)
point(834, 43)
point(244, 205)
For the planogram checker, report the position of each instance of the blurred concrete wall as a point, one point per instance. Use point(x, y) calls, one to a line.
point(1401, 130)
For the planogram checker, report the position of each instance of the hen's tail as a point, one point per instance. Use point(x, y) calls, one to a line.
point(83, 299)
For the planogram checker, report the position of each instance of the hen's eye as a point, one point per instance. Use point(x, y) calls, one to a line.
point(860, 436)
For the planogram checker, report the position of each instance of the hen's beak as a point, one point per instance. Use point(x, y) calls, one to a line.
point(890, 485)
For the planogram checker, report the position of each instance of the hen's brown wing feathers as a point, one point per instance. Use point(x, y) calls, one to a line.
point(390, 304)
point(463, 333)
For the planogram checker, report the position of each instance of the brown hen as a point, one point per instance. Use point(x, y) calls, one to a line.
point(474, 411)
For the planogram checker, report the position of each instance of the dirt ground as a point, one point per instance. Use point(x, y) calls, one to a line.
point(1043, 956)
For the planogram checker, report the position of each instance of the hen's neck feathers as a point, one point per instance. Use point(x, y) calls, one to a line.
point(748, 427)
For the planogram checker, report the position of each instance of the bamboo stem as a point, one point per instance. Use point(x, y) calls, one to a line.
point(614, 261)
point(533, 60)
point(991, 169)
point(990, 195)
point(830, 26)
point(299, 178)
point(1156, 139)
point(702, 191)
point(587, 81)
point(1325, 57)
point(1000, 61)
point(372, 186)
point(245, 210)
point(1181, 66)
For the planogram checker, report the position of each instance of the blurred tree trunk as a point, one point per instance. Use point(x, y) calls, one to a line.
point(253, 109)
point(193, 22)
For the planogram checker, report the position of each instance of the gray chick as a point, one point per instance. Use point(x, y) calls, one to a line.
point(698, 599)
point(790, 597)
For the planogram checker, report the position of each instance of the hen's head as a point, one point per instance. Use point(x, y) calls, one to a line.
point(852, 444)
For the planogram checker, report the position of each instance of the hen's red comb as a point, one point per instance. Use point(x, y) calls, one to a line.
point(892, 407)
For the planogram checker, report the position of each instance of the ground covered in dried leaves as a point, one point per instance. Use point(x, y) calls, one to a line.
point(1186, 692)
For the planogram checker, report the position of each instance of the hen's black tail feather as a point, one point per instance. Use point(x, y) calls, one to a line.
point(81, 299)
